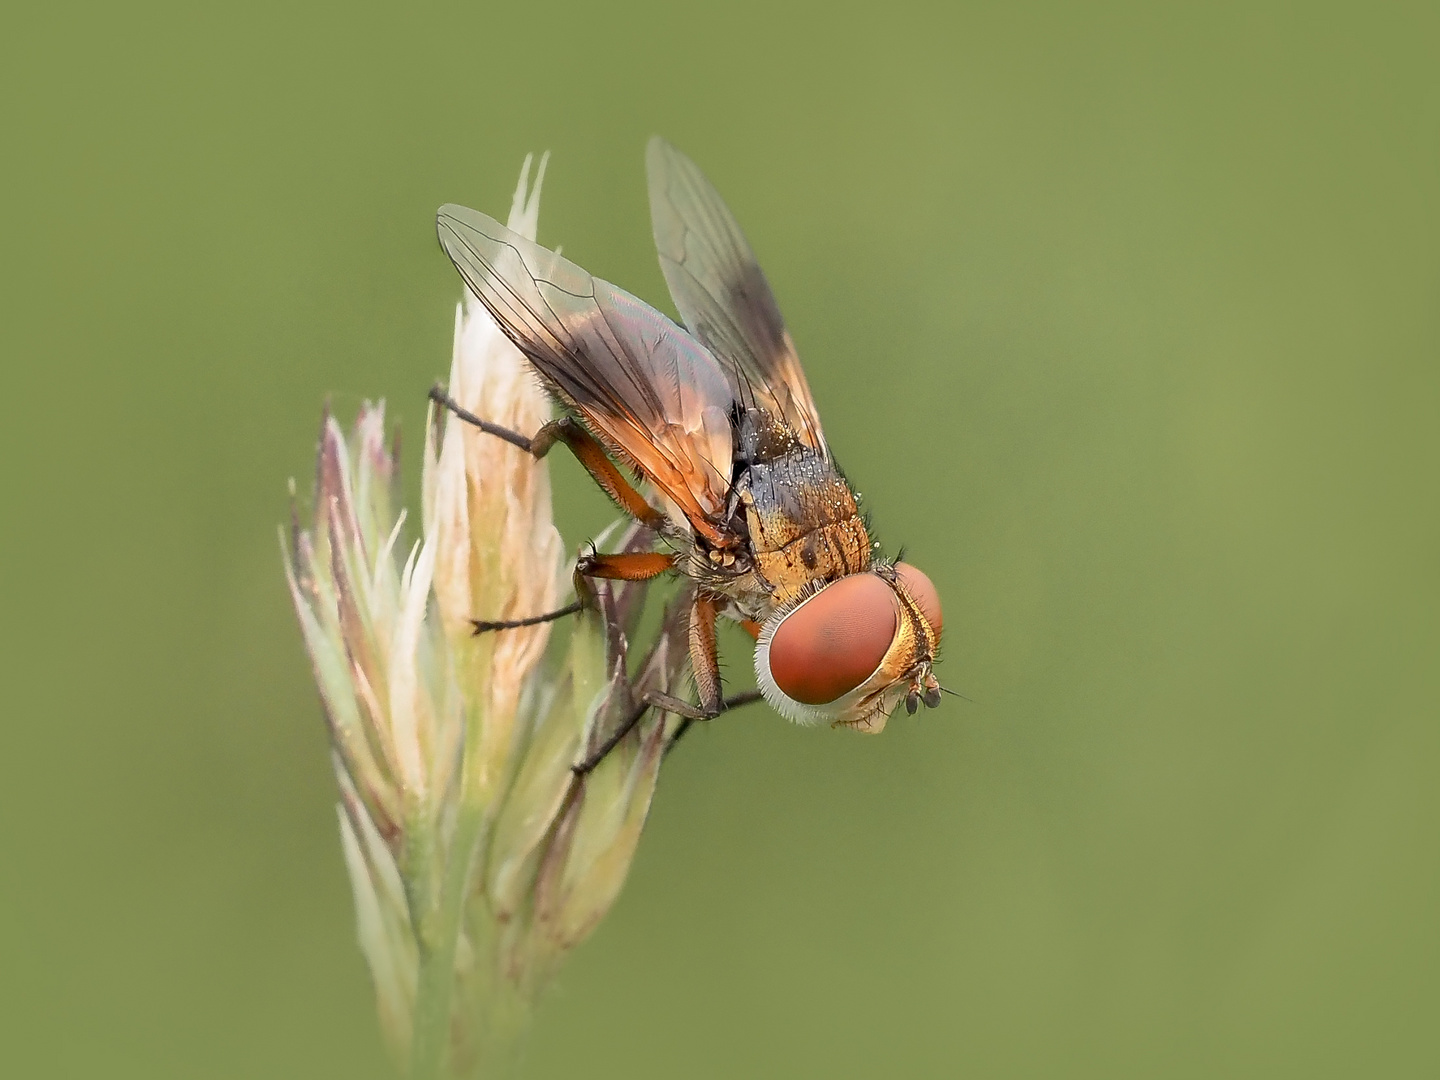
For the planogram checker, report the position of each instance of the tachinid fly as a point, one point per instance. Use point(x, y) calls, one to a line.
point(718, 417)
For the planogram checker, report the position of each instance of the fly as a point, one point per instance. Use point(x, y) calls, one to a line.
point(717, 416)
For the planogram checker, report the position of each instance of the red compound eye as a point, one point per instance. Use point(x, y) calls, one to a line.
point(834, 641)
point(925, 594)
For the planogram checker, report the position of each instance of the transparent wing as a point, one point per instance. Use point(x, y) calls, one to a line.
point(642, 384)
point(721, 292)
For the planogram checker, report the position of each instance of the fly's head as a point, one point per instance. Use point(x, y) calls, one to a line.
point(850, 652)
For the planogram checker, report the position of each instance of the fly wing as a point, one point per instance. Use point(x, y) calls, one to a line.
point(641, 383)
point(722, 294)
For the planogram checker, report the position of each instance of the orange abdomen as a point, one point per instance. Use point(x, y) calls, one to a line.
point(804, 523)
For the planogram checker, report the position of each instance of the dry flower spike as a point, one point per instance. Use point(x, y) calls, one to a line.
point(476, 856)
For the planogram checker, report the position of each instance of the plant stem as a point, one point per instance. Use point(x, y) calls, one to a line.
point(502, 1033)
point(435, 984)
point(502, 1016)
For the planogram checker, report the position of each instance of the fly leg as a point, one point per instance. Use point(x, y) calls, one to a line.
point(485, 625)
point(704, 662)
point(623, 566)
point(592, 457)
point(704, 655)
point(581, 443)
point(637, 714)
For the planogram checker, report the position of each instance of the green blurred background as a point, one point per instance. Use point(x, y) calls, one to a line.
point(1123, 319)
